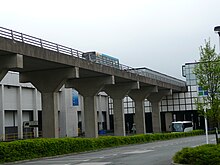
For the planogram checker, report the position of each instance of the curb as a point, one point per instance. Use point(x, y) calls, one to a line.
point(172, 163)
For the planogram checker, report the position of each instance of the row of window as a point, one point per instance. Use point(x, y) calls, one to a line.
point(176, 102)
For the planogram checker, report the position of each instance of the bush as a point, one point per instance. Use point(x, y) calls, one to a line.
point(36, 148)
point(201, 155)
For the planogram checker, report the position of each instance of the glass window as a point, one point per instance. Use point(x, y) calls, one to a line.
point(182, 101)
point(170, 102)
point(176, 108)
point(188, 107)
point(164, 108)
point(182, 107)
point(170, 108)
point(188, 101)
point(176, 101)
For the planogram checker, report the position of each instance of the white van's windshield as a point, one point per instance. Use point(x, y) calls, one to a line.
point(177, 127)
point(182, 126)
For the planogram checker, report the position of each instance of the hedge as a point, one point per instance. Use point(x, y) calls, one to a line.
point(208, 154)
point(45, 147)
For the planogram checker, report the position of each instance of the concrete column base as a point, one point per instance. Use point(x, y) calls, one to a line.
point(50, 115)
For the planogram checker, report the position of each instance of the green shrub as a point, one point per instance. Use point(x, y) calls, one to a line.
point(201, 155)
point(36, 148)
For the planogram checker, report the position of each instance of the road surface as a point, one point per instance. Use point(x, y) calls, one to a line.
point(155, 153)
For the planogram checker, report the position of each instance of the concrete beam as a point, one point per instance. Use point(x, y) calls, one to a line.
point(155, 99)
point(8, 62)
point(142, 93)
point(48, 82)
point(89, 88)
point(117, 93)
point(138, 96)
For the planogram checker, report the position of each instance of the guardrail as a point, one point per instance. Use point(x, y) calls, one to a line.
point(17, 36)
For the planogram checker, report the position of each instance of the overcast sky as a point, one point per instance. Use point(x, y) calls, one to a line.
point(159, 34)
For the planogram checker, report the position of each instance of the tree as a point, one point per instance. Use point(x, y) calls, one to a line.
point(207, 72)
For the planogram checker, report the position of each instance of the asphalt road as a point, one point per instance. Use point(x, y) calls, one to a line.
point(156, 153)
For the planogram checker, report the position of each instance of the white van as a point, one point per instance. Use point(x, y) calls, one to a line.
point(182, 126)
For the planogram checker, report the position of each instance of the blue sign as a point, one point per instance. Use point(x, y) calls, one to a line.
point(75, 98)
point(202, 92)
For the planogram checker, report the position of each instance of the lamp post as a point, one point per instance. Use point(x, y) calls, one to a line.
point(206, 127)
point(217, 30)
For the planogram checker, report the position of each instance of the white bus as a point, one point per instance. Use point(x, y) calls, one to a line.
point(182, 126)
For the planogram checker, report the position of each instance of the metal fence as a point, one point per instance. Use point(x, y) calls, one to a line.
point(14, 136)
point(17, 36)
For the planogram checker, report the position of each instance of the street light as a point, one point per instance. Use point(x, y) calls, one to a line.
point(217, 30)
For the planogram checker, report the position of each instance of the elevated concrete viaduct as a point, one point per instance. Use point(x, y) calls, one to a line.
point(48, 69)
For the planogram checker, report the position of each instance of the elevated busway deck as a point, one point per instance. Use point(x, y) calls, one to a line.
point(49, 66)
point(39, 54)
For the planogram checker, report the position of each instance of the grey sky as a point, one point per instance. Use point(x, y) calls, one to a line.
point(159, 34)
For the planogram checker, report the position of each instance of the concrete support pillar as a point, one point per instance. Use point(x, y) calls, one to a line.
point(107, 119)
point(117, 93)
point(48, 82)
point(10, 61)
point(100, 112)
point(35, 111)
point(19, 114)
point(139, 96)
point(50, 114)
point(89, 88)
point(168, 120)
point(90, 116)
point(2, 114)
point(156, 120)
point(82, 113)
point(63, 113)
point(155, 99)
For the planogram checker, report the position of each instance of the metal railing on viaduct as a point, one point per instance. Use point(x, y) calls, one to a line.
point(17, 36)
